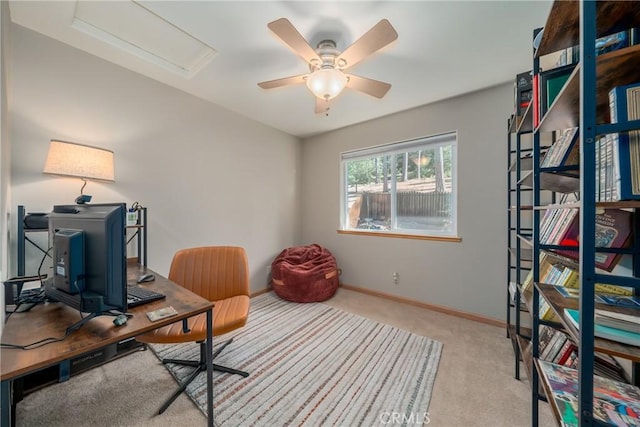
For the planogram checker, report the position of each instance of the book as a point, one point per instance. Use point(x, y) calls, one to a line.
point(544, 337)
point(614, 402)
point(618, 167)
point(569, 221)
point(557, 346)
point(630, 301)
point(568, 292)
point(622, 321)
point(551, 84)
point(620, 300)
point(620, 98)
point(566, 356)
point(613, 230)
point(535, 100)
point(606, 332)
point(563, 353)
point(523, 92)
point(550, 350)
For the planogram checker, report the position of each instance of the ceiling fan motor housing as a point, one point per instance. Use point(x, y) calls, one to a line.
point(328, 53)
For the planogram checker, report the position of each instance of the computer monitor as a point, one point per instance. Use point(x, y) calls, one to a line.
point(89, 257)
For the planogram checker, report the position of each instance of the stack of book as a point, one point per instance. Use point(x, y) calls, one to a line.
point(554, 272)
point(564, 151)
point(617, 333)
point(618, 154)
point(612, 319)
point(557, 347)
point(556, 224)
point(629, 301)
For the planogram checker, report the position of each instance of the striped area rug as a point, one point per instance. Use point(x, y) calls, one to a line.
point(312, 364)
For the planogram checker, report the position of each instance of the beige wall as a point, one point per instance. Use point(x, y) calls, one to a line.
point(5, 176)
point(208, 176)
point(468, 276)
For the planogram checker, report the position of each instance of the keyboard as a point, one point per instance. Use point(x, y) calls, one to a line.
point(137, 295)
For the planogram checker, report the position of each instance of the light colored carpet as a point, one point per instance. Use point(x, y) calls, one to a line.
point(474, 386)
point(312, 364)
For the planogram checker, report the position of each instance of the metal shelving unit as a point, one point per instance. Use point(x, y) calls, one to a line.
point(137, 232)
point(583, 102)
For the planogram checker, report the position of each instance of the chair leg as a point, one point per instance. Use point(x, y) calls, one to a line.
point(200, 366)
point(193, 363)
point(220, 368)
point(182, 388)
point(222, 347)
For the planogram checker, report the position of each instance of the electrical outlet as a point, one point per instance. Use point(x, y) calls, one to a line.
point(396, 278)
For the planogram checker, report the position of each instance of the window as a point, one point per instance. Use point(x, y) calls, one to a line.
point(401, 188)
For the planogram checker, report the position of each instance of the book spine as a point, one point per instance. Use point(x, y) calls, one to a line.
point(565, 357)
point(552, 342)
point(565, 227)
point(604, 288)
point(562, 352)
point(556, 229)
point(572, 281)
point(608, 183)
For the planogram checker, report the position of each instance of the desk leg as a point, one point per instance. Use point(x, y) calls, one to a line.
point(7, 408)
point(209, 351)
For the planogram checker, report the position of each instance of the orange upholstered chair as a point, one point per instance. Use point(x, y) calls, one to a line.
point(220, 274)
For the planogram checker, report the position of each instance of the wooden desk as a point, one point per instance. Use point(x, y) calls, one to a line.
point(52, 319)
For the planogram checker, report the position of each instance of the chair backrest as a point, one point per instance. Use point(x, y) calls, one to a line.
point(213, 272)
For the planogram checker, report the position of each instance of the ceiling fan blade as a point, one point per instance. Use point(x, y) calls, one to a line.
point(375, 39)
point(371, 87)
point(322, 106)
point(293, 80)
point(292, 38)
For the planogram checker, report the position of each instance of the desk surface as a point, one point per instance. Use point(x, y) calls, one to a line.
point(52, 319)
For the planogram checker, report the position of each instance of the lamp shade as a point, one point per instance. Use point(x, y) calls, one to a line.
point(327, 83)
point(82, 161)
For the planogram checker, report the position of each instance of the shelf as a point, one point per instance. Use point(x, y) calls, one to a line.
point(553, 182)
point(562, 29)
point(558, 303)
point(523, 346)
point(630, 204)
point(526, 164)
point(615, 68)
point(526, 240)
point(526, 255)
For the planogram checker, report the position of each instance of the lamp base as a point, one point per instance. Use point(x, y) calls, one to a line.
point(82, 199)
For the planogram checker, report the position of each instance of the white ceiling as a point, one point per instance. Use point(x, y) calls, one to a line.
point(444, 48)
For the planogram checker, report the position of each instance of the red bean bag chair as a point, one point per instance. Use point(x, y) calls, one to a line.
point(305, 274)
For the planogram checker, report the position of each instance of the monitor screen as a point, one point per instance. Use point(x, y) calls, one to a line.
point(89, 256)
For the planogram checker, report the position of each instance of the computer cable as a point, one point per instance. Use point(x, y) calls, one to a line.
point(40, 266)
point(41, 342)
point(31, 296)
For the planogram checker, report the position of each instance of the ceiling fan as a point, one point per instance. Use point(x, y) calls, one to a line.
point(326, 77)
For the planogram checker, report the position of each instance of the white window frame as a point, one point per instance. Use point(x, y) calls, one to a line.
point(393, 149)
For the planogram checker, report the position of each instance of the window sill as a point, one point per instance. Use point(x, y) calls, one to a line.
point(401, 236)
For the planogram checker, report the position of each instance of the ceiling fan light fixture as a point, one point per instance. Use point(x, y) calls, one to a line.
point(327, 83)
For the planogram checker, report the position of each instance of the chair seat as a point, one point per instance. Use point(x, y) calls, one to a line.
point(228, 314)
